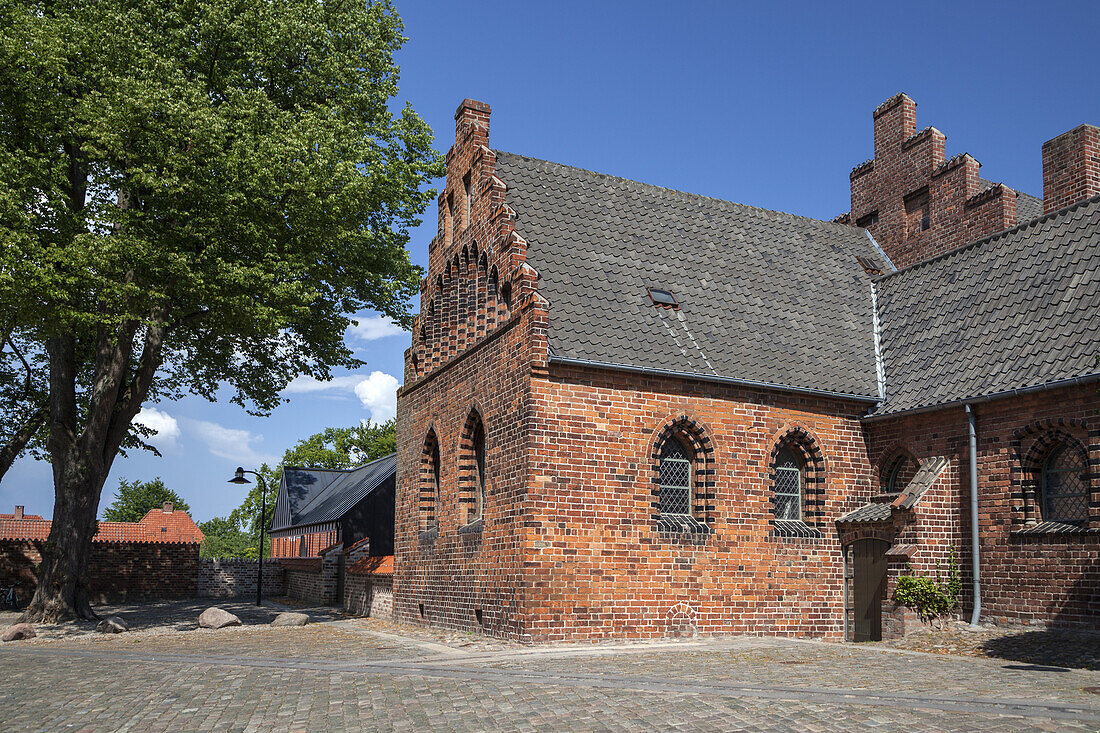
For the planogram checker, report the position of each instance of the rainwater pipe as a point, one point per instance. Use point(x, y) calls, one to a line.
point(974, 559)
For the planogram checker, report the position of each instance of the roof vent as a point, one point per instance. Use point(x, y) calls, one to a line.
point(868, 266)
point(663, 298)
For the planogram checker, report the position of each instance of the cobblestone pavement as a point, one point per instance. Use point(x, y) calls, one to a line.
point(360, 674)
point(1049, 647)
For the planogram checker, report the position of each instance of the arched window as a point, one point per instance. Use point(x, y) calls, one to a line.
point(429, 481)
point(479, 466)
point(787, 491)
point(898, 473)
point(1064, 486)
point(473, 470)
point(675, 477)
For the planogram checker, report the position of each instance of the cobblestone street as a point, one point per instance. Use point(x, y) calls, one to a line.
point(361, 674)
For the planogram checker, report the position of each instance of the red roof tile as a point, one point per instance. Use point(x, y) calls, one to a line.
point(373, 566)
point(156, 526)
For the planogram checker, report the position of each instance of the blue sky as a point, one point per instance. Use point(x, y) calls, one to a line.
point(766, 104)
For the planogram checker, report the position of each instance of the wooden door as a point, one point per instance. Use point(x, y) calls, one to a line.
point(866, 580)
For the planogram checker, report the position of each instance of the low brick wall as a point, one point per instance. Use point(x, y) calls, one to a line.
point(369, 595)
point(231, 578)
point(304, 581)
point(117, 571)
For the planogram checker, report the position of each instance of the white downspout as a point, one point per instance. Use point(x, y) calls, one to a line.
point(975, 560)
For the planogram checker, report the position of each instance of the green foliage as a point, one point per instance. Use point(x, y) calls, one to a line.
point(930, 597)
point(331, 448)
point(135, 498)
point(223, 538)
point(199, 194)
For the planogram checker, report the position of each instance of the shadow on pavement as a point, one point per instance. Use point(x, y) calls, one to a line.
point(1047, 648)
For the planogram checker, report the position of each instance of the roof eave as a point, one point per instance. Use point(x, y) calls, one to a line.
point(657, 371)
point(1070, 382)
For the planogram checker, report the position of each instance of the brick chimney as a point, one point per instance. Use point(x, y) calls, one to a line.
point(18, 511)
point(472, 112)
point(167, 507)
point(1071, 167)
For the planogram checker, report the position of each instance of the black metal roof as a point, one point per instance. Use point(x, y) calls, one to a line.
point(310, 496)
point(763, 296)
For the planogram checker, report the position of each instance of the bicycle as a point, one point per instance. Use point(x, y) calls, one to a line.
point(8, 598)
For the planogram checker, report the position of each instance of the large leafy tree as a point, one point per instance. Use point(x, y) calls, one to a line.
point(193, 197)
point(24, 403)
point(135, 498)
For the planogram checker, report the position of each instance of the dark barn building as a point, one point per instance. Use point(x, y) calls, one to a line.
point(319, 507)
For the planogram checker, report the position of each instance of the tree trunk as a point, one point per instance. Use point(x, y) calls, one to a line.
point(62, 591)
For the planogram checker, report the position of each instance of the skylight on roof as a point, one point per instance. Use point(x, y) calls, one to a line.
point(663, 298)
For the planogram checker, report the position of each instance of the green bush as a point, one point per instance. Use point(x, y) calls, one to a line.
point(931, 597)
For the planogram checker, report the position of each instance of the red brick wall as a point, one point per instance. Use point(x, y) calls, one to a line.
point(473, 346)
point(599, 563)
point(1071, 167)
point(118, 571)
point(1046, 579)
point(291, 546)
point(908, 163)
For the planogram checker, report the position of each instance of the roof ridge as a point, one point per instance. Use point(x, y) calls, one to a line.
point(678, 192)
point(996, 235)
point(341, 470)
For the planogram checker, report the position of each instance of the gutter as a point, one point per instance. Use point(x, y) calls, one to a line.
point(974, 559)
point(710, 378)
point(1070, 382)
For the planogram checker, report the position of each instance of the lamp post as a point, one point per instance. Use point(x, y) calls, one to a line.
point(238, 478)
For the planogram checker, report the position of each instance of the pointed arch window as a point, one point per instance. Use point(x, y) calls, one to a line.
point(675, 477)
point(473, 470)
point(789, 481)
point(430, 468)
point(1064, 486)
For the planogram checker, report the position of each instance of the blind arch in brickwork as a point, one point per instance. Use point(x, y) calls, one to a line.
point(473, 468)
point(1032, 445)
point(431, 468)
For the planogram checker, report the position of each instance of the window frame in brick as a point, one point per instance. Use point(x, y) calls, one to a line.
point(431, 470)
point(1047, 436)
point(811, 465)
point(897, 471)
point(697, 444)
point(473, 469)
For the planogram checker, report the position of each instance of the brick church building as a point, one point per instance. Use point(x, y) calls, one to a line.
point(635, 412)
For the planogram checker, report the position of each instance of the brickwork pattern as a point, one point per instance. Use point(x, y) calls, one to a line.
point(367, 594)
point(914, 201)
point(222, 578)
point(117, 571)
point(1071, 167)
point(1045, 579)
point(309, 544)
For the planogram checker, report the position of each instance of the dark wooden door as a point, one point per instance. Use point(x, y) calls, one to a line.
point(867, 579)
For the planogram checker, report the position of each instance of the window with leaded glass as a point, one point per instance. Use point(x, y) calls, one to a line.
point(788, 485)
point(675, 478)
point(1065, 486)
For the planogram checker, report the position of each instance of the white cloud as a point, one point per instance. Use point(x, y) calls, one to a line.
point(304, 384)
point(373, 328)
point(166, 427)
point(378, 393)
point(231, 443)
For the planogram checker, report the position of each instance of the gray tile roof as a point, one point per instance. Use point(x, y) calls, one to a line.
point(318, 495)
point(921, 482)
point(1028, 207)
point(873, 512)
point(1012, 311)
point(765, 296)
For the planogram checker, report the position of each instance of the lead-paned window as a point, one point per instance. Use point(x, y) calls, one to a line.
point(675, 478)
point(1065, 486)
point(788, 485)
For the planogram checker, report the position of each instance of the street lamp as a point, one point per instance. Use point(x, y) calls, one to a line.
point(238, 478)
